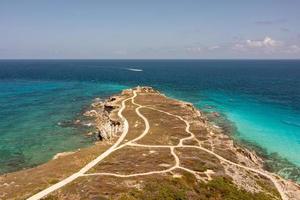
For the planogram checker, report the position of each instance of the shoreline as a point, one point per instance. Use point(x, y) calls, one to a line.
point(253, 148)
point(272, 162)
point(83, 124)
point(215, 133)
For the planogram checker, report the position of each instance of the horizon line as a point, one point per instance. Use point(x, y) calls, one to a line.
point(20, 59)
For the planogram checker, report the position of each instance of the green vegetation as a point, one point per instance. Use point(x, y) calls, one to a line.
point(267, 187)
point(157, 191)
point(224, 189)
point(217, 189)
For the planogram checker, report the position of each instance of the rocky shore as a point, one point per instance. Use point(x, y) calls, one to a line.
point(207, 161)
point(107, 128)
point(106, 125)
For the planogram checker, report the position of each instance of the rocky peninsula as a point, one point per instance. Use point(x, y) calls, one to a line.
point(150, 147)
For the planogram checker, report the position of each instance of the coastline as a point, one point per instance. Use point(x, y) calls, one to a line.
point(271, 162)
point(103, 124)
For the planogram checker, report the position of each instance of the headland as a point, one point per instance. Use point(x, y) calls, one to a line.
point(152, 147)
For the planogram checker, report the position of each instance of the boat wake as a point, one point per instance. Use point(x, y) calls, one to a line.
point(134, 69)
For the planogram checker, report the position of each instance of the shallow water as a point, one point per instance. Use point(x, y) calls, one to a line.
point(260, 98)
point(31, 112)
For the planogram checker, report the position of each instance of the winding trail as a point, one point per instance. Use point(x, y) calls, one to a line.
point(87, 167)
point(172, 148)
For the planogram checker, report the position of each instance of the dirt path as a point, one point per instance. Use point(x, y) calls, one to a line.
point(172, 148)
point(87, 167)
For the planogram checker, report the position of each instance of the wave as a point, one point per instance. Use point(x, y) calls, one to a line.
point(134, 69)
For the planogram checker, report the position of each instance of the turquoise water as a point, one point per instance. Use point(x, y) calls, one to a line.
point(260, 100)
point(272, 127)
point(262, 124)
point(30, 115)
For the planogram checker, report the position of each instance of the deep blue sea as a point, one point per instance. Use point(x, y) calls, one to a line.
point(258, 99)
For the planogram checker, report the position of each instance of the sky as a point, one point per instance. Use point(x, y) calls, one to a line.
point(149, 29)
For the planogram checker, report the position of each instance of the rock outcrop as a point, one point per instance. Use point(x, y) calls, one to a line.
point(106, 126)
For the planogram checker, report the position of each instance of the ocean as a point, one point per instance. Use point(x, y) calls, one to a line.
point(258, 100)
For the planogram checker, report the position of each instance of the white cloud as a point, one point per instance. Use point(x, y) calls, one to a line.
point(214, 47)
point(266, 42)
point(267, 46)
point(239, 47)
point(292, 49)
